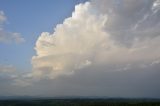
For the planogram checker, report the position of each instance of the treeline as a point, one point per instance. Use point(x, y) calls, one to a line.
point(80, 102)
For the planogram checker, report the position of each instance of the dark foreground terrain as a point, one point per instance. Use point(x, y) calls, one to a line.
point(81, 102)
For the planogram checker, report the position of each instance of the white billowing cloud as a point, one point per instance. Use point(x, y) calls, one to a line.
point(6, 36)
point(100, 33)
point(73, 44)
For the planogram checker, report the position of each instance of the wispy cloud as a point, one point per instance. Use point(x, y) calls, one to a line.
point(3, 18)
point(6, 36)
point(7, 68)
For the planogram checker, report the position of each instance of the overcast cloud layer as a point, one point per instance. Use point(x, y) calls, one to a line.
point(106, 48)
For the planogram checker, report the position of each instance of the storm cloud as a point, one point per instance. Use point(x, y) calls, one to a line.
point(106, 32)
point(105, 48)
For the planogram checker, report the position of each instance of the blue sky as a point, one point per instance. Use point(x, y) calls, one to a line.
point(30, 18)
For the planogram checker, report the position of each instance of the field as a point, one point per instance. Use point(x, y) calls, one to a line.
point(81, 102)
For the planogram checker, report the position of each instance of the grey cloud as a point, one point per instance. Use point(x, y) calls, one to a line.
point(129, 20)
point(102, 81)
point(98, 80)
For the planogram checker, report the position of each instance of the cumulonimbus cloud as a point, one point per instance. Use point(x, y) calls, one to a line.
point(100, 33)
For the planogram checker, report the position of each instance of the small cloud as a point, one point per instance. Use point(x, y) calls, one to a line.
point(17, 38)
point(3, 18)
point(10, 37)
point(156, 62)
point(84, 64)
point(15, 76)
point(6, 36)
point(7, 69)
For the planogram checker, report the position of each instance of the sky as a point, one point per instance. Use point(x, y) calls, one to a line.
point(80, 48)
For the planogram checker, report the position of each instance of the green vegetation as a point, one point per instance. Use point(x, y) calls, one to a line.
point(81, 102)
